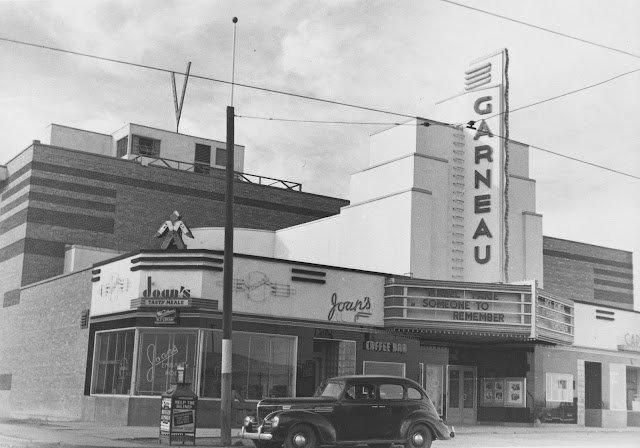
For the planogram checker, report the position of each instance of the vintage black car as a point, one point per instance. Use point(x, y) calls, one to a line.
point(350, 410)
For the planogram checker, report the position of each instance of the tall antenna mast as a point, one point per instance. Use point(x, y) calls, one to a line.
point(233, 58)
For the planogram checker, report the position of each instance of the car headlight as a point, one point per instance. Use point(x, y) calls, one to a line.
point(248, 422)
point(275, 421)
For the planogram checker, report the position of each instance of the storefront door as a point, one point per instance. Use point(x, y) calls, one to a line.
point(461, 395)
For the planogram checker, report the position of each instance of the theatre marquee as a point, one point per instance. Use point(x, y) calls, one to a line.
point(495, 310)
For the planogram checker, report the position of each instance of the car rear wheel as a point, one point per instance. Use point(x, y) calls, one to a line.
point(300, 436)
point(419, 437)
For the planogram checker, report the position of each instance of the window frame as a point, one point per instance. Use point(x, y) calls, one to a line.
point(293, 347)
point(119, 147)
point(382, 398)
point(173, 332)
point(200, 165)
point(358, 399)
point(221, 153)
point(136, 148)
point(198, 358)
point(95, 360)
point(364, 367)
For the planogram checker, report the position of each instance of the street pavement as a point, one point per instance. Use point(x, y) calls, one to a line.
point(44, 434)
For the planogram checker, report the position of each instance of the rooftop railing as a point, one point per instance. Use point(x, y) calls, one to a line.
point(217, 172)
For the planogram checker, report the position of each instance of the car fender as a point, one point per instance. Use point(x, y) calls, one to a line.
point(322, 426)
point(437, 427)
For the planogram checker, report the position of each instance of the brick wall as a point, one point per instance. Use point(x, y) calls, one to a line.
point(71, 197)
point(45, 350)
point(588, 273)
point(54, 197)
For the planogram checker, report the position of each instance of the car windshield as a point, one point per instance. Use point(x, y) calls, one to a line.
point(330, 389)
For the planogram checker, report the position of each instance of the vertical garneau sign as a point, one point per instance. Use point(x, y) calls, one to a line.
point(484, 170)
point(484, 176)
point(479, 152)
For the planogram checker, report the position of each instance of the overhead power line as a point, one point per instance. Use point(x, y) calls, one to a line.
point(585, 162)
point(206, 78)
point(374, 123)
point(355, 106)
point(568, 93)
point(575, 159)
point(543, 29)
point(427, 123)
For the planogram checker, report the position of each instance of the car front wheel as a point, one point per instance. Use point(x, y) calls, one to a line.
point(300, 436)
point(419, 437)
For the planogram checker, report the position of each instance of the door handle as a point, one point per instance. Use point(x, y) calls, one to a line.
point(464, 396)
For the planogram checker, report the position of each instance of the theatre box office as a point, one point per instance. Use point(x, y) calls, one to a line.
point(294, 325)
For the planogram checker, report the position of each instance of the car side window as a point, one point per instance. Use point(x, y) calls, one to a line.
point(391, 392)
point(360, 392)
point(414, 394)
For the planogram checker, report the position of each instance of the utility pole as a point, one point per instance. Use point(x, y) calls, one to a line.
point(226, 400)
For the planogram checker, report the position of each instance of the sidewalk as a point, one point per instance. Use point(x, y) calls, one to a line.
point(22, 433)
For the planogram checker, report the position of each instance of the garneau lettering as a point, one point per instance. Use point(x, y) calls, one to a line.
point(482, 202)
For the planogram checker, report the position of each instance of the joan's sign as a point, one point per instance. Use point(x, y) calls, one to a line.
point(349, 310)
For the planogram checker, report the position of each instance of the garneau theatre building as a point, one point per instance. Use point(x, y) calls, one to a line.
point(436, 269)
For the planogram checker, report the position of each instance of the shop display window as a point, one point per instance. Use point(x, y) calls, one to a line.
point(503, 392)
point(113, 359)
point(333, 357)
point(263, 365)
point(383, 368)
point(159, 354)
point(633, 393)
point(561, 402)
point(434, 385)
point(560, 387)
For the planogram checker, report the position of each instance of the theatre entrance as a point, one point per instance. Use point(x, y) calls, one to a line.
point(462, 405)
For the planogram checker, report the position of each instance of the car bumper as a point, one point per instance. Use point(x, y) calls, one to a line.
point(259, 435)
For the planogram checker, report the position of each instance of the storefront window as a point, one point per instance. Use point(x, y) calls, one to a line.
point(159, 354)
point(263, 365)
point(334, 358)
point(633, 394)
point(113, 359)
point(383, 368)
point(434, 385)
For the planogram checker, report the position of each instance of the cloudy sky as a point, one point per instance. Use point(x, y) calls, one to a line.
point(400, 56)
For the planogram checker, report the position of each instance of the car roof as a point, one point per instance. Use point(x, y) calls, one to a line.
point(374, 378)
